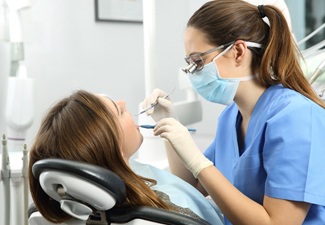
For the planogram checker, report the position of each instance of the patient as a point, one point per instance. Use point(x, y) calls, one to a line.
point(94, 129)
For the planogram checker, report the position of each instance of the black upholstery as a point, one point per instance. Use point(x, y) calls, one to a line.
point(158, 215)
point(100, 176)
point(31, 209)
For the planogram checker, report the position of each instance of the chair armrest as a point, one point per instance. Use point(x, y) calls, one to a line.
point(161, 216)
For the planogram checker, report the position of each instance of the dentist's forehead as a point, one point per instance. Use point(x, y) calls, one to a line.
point(195, 41)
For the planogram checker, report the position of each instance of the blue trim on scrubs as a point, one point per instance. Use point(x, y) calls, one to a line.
point(283, 154)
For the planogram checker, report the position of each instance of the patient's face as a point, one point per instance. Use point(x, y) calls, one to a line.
point(132, 136)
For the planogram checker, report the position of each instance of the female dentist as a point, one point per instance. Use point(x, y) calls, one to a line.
point(266, 163)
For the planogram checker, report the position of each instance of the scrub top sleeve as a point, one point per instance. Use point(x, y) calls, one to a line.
point(294, 153)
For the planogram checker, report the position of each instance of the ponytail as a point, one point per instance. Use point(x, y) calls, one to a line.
point(280, 63)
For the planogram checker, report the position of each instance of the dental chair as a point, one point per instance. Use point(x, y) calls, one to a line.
point(89, 194)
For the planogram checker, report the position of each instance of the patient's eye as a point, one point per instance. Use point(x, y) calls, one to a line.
point(122, 110)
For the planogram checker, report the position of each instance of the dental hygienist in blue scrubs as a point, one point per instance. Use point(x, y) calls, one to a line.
point(266, 163)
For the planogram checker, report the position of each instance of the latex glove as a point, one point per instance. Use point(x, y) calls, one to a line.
point(182, 142)
point(164, 109)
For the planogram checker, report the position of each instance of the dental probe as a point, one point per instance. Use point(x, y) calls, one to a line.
point(156, 103)
point(153, 126)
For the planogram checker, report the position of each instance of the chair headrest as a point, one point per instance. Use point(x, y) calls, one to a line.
point(78, 186)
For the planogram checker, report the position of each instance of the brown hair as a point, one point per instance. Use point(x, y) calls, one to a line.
point(82, 128)
point(225, 21)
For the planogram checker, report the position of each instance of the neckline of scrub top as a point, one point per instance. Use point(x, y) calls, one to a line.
point(252, 122)
point(239, 134)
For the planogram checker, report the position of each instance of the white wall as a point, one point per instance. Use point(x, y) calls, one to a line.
point(65, 50)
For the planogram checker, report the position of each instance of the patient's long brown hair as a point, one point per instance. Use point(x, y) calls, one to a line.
point(225, 21)
point(80, 127)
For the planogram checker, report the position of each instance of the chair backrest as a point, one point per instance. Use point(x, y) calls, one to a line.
point(89, 193)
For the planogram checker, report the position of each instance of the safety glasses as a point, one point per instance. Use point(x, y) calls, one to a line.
point(196, 62)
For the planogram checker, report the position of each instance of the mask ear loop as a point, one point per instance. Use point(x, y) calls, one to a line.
point(218, 56)
point(248, 44)
point(223, 52)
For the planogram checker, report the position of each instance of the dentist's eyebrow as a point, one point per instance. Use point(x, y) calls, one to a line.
point(194, 53)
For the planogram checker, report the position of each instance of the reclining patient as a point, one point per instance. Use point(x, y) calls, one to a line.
point(95, 129)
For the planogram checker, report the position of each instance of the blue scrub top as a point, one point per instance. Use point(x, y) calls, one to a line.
point(283, 154)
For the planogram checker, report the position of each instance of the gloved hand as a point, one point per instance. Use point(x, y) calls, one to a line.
point(164, 109)
point(182, 142)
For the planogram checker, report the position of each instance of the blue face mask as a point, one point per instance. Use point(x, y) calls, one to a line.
point(208, 83)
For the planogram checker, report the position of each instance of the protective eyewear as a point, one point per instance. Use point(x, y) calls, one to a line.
point(196, 62)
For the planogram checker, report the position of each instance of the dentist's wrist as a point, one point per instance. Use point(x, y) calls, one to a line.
point(197, 164)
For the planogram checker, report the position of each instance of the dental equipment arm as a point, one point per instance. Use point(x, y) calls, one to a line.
point(309, 52)
point(5, 173)
point(20, 96)
point(20, 108)
point(16, 99)
point(319, 70)
point(312, 34)
point(26, 189)
point(5, 60)
point(17, 45)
